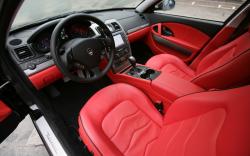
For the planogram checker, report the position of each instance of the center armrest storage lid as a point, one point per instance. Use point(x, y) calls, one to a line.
point(173, 87)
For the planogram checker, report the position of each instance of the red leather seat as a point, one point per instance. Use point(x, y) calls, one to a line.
point(121, 120)
point(220, 69)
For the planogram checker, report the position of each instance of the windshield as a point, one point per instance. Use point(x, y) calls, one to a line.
point(35, 10)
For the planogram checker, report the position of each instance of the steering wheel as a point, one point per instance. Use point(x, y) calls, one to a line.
point(79, 58)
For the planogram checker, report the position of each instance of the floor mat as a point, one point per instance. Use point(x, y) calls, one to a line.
point(72, 98)
point(69, 102)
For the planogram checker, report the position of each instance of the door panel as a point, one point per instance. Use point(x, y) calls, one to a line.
point(180, 36)
point(186, 35)
point(8, 125)
point(12, 109)
point(5, 111)
point(8, 120)
point(177, 39)
point(208, 27)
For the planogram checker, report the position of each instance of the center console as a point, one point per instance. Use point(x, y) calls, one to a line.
point(162, 88)
point(143, 72)
point(122, 45)
point(124, 62)
point(139, 71)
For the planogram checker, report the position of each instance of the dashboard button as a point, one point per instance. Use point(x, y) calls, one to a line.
point(48, 57)
point(36, 61)
point(32, 66)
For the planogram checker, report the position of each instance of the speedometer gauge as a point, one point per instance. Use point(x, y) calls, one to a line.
point(42, 44)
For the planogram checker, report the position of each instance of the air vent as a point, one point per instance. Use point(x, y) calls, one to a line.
point(23, 53)
point(116, 26)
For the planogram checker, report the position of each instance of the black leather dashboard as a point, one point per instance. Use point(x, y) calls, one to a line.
point(31, 60)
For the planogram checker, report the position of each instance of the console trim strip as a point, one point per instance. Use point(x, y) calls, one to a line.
point(39, 68)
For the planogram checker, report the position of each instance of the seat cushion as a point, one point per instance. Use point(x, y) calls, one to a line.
point(120, 120)
point(115, 120)
point(171, 64)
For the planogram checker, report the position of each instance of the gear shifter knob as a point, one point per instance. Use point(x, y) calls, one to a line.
point(132, 61)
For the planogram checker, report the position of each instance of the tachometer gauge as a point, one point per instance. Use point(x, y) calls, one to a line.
point(79, 31)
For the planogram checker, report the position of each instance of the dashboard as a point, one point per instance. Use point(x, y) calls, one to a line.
point(30, 47)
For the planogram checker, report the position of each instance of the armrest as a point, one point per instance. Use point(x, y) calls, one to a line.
point(173, 87)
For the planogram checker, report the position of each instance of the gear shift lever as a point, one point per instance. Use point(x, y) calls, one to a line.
point(140, 71)
point(132, 61)
point(134, 69)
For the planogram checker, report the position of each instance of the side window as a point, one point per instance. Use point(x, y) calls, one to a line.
point(215, 10)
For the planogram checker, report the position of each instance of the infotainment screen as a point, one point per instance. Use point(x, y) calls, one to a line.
point(118, 41)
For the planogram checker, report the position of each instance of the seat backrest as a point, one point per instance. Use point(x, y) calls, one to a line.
point(228, 66)
point(209, 123)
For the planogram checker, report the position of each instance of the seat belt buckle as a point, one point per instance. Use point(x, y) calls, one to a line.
point(160, 107)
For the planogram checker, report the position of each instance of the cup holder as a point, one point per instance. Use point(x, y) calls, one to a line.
point(147, 74)
point(143, 72)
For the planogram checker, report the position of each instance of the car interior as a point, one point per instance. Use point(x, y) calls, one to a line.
point(135, 82)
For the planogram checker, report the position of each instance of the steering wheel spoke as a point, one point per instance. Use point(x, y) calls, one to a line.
point(96, 71)
point(107, 43)
point(84, 72)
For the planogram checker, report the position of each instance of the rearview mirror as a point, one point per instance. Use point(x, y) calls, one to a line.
point(166, 5)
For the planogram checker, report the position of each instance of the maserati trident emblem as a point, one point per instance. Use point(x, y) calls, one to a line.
point(90, 51)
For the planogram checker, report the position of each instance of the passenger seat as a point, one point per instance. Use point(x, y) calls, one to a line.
point(226, 67)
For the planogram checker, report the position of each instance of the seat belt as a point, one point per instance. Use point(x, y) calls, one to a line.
point(241, 29)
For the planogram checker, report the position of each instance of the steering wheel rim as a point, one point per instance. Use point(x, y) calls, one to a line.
point(63, 64)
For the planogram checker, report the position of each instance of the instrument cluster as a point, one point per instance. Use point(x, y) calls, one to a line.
point(78, 30)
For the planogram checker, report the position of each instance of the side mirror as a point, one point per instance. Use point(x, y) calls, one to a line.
point(166, 5)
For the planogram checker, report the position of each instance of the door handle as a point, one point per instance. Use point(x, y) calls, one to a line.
point(166, 31)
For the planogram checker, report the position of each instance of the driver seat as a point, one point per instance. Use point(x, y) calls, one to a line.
point(121, 120)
